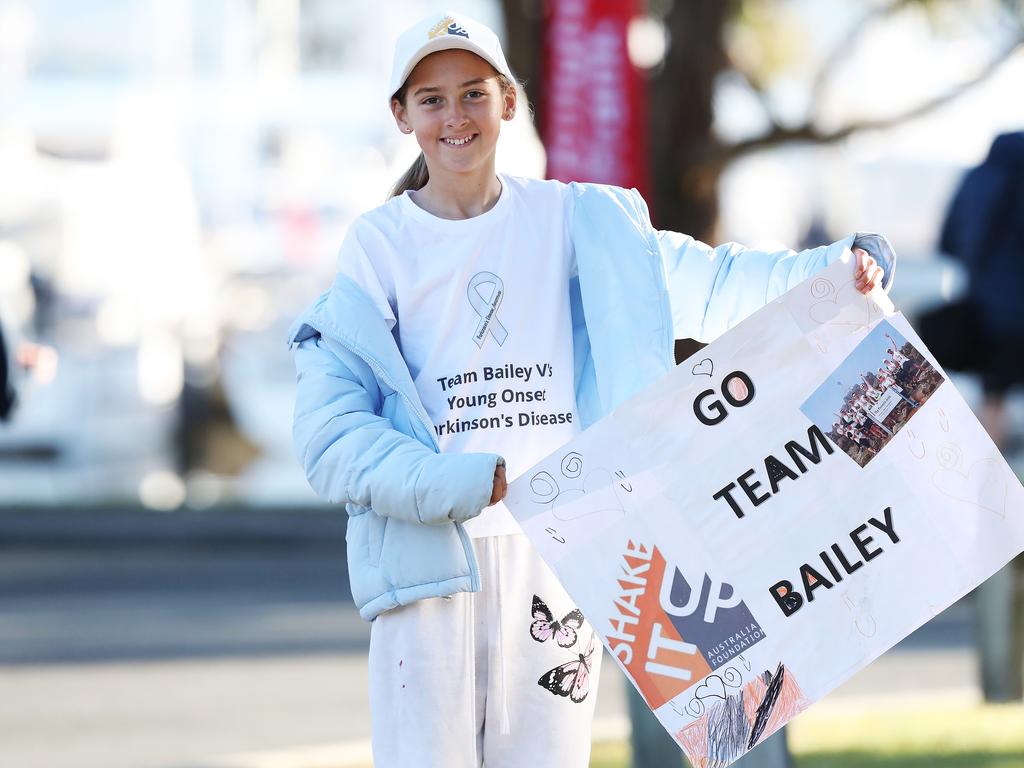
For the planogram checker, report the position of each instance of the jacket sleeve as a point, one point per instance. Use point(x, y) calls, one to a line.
point(352, 454)
point(713, 289)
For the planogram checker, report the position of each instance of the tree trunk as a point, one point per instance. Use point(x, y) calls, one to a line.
point(685, 188)
point(523, 47)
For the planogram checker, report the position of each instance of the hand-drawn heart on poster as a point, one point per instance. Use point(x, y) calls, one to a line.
point(775, 513)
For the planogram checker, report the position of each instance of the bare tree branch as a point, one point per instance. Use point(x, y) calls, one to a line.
point(762, 98)
point(831, 64)
point(807, 132)
point(843, 51)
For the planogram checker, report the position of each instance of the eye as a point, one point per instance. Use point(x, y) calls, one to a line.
point(475, 94)
point(431, 100)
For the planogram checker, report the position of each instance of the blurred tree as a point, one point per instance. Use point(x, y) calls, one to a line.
point(756, 45)
point(759, 43)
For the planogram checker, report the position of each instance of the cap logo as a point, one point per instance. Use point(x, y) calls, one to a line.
point(446, 26)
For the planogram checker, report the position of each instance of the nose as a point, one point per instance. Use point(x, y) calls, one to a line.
point(456, 116)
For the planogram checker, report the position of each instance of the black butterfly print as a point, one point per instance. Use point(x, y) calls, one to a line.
point(544, 626)
point(571, 679)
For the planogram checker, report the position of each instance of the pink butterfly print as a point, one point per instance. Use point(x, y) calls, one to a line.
point(545, 627)
point(571, 679)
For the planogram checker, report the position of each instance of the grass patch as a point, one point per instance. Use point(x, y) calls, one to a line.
point(873, 760)
point(610, 754)
point(983, 736)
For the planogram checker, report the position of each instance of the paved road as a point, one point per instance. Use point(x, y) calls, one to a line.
point(133, 640)
point(147, 604)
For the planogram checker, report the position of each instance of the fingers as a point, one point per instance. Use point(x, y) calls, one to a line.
point(500, 487)
point(867, 273)
point(872, 276)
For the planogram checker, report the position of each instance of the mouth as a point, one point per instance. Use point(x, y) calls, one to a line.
point(458, 141)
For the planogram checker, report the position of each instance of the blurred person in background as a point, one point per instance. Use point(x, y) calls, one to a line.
point(984, 229)
point(23, 363)
point(38, 361)
point(983, 333)
point(7, 396)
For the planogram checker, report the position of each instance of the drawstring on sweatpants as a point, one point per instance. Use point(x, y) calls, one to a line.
point(497, 645)
point(471, 620)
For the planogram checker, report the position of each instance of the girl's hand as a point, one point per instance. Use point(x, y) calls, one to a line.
point(867, 273)
point(500, 485)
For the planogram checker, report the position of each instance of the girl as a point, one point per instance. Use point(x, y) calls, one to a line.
point(476, 317)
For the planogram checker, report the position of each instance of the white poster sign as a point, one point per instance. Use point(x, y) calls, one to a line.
point(749, 531)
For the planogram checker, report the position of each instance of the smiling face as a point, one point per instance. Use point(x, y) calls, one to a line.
point(454, 103)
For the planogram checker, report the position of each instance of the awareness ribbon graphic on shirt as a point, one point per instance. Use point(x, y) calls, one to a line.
point(485, 304)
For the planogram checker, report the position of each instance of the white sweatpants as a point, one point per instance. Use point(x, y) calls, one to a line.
point(485, 678)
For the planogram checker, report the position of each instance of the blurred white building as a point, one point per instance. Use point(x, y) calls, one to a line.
point(180, 173)
point(183, 173)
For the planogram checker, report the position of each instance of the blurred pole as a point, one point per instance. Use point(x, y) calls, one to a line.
point(651, 745)
point(1000, 635)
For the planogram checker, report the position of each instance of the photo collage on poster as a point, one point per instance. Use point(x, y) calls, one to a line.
point(876, 390)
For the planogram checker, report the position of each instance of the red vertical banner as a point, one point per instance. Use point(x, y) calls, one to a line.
point(595, 100)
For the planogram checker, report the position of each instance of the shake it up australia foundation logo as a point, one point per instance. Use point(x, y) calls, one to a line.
point(670, 629)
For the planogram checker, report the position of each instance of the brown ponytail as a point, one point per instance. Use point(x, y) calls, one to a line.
point(417, 176)
point(414, 178)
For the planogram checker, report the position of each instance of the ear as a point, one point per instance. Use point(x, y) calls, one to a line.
point(510, 97)
point(401, 116)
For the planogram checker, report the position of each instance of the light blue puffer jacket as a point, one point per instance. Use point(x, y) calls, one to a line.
point(365, 440)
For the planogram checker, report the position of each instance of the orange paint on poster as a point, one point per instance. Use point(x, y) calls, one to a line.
point(643, 638)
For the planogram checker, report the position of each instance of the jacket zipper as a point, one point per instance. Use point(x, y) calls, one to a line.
point(379, 371)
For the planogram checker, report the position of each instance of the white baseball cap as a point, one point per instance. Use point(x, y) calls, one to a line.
point(442, 32)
